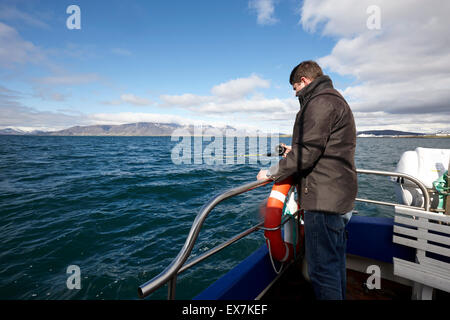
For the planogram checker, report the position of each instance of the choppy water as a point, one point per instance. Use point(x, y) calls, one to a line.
point(118, 208)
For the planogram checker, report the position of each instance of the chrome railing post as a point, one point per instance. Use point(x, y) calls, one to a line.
point(172, 285)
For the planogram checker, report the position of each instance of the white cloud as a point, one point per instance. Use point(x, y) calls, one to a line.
point(247, 106)
point(426, 123)
point(186, 100)
point(8, 93)
point(265, 10)
point(77, 50)
point(129, 98)
point(402, 69)
point(49, 94)
point(14, 50)
point(16, 115)
point(69, 79)
point(238, 102)
point(132, 99)
point(239, 88)
point(337, 19)
point(11, 13)
point(227, 97)
point(249, 113)
point(132, 117)
point(121, 52)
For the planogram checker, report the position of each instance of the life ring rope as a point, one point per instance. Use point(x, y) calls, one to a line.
point(271, 258)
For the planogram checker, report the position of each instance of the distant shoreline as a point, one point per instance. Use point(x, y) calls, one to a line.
point(157, 129)
point(424, 136)
point(281, 136)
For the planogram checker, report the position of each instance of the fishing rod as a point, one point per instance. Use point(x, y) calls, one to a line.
point(279, 151)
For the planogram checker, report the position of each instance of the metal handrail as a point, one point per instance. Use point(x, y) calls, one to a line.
point(172, 270)
point(401, 175)
point(169, 274)
point(216, 249)
point(259, 226)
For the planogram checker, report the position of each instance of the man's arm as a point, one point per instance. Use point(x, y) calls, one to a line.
point(313, 131)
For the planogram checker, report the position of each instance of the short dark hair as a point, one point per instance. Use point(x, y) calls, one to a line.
point(308, 69)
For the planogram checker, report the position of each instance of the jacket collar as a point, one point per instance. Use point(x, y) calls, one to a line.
point(317, 85)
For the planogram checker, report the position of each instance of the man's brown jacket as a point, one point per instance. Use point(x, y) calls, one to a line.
point(323, 149)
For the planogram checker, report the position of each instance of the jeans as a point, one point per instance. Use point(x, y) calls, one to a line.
point(325, 250)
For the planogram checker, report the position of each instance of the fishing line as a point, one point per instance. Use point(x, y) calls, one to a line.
point(279, 151)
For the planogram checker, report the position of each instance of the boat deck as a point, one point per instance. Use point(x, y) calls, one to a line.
point(292, 286)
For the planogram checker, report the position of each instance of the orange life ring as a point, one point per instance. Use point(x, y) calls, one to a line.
point(280, 250)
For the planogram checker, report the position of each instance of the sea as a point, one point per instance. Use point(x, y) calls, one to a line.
point(115, 211)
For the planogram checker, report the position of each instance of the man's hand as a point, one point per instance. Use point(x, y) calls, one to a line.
point(288, 149)
point(262, 175)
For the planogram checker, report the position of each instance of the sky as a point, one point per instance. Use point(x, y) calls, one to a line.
point(221, 62)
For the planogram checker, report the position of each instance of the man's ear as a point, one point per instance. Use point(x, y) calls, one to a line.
point(306, 80)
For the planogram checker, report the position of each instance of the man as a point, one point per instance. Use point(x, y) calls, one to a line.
point(321, 160)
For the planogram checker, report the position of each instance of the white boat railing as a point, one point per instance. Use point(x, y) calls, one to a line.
point(170, 273)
